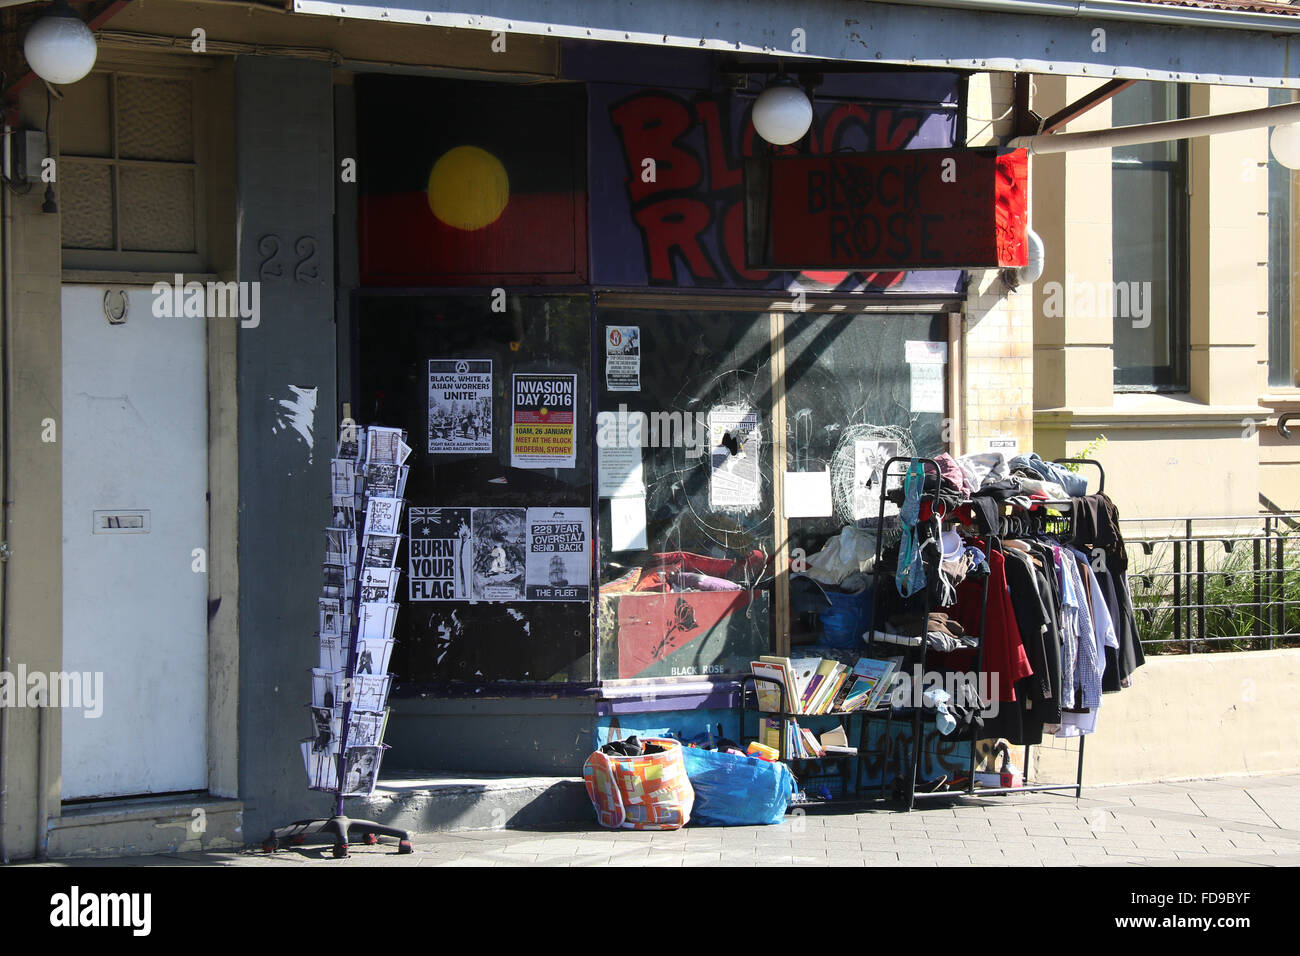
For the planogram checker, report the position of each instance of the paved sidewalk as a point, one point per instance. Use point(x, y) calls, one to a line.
point(1239, 821)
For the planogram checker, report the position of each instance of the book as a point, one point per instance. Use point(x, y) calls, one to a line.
point(885, 669)
point(769, 697)
point(836, 741)
point(842, 695)
point(829, 701)
point(825, 671)
point(807, 679)
point(813, 748)
point(841, 674)
point(787, 676)
point(859, 693)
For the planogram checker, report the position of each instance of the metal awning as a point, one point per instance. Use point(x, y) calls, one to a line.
point(1143, 41)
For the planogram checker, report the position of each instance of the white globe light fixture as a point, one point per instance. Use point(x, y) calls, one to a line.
point(1032, 270)
point(1285, 145)
point(782, 113)
point(59, 47)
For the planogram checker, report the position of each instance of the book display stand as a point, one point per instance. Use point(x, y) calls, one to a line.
point(358, 612)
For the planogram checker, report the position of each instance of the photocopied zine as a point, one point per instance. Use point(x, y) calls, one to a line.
point(357, 610)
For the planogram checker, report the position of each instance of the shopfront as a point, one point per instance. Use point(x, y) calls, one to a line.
point(554, 302)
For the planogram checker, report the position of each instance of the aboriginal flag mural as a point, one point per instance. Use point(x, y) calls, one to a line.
point(470, 183)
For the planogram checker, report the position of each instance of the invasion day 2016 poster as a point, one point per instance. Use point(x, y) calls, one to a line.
point(542, 428)
point(499, 554)
point(559, 559)
point(460, 406)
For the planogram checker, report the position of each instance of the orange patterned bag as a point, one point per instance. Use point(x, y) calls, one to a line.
point(651, 792)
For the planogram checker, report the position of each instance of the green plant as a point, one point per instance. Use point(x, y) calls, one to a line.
point(1233, 611)
point(1089, 451)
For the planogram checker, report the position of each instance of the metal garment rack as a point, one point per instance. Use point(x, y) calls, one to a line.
point(918, 712)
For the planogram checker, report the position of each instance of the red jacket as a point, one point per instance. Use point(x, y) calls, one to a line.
point(1004, 653)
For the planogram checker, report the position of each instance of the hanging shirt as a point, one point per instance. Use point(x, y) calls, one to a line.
point(1071, 594)
point(1096, 634)
point(1103, 631)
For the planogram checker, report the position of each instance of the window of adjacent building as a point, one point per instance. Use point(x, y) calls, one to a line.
point(1282, 370)
point(128, 176)
point(1149, 244)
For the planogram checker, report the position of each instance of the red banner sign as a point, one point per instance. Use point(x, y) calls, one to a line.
point(909, 209)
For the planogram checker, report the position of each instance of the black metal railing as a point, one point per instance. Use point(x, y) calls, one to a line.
point(1215, 583)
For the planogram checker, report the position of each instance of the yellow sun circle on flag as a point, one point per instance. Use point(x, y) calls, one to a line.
point(468, 188)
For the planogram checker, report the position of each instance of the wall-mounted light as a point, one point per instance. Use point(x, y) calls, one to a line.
point(1285, 145)
point(59, 47)
point(782, 112)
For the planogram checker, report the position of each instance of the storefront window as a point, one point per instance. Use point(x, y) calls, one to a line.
point(500, 423)
point(854, 396)
point(698, 413)
point(684, 435)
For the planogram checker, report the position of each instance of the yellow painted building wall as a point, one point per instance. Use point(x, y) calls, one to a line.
point(1173, 454)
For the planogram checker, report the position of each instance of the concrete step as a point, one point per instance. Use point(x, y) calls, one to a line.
point(146, 825)
point(453, 801)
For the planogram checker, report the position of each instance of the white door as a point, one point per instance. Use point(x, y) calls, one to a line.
point(135, 479)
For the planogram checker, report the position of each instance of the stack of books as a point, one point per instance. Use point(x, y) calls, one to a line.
point(815, 685)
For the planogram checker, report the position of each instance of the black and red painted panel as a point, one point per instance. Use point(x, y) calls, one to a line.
point(963, 208)
point(681, 222)
point(694, 634)
point(470, 183)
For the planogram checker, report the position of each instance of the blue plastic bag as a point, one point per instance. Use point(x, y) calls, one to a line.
point(849, 615)
point(737, 791)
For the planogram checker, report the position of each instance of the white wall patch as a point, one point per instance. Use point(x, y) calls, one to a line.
point(297, 413)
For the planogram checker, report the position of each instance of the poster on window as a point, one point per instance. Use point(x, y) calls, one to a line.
point(440, 554)
point(869, 458)
point(542, 430)
point(500, 554)
point(559, 555)
point(734, 477)
point(460, 406)
point(927, 388)
point(622, 358)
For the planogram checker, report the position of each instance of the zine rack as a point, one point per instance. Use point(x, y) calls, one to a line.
point(883, 576)
point(331, 772)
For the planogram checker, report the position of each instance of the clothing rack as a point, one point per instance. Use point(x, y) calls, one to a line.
point(917, 708)
point(1066, 505)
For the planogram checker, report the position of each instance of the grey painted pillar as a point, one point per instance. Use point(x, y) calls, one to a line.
point(287, 428)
